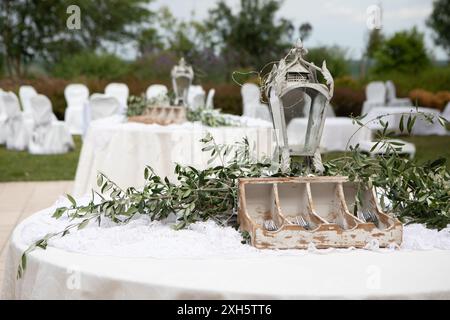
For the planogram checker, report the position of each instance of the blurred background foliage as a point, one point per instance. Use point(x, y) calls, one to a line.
point(37, 48)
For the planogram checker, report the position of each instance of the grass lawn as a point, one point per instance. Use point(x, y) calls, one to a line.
point(22, 166)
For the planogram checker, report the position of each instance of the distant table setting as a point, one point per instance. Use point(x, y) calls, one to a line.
point(121, 150)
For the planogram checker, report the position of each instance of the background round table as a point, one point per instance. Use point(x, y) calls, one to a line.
point(354, 274)
point(121, 150)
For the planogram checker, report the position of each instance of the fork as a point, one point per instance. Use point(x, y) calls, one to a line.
point(302, 222)
point(270, 225)
point(369, 216)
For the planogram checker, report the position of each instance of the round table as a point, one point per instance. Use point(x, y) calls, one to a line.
point(239, 271)
point(121, 150)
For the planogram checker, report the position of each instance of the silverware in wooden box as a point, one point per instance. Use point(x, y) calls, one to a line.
point(291, 213)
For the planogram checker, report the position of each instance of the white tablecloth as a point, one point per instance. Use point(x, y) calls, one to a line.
point(421, 126)
point(336, 133)
point(122, 150)
point(151, 261)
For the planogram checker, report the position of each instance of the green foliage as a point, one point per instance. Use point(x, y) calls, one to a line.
point(253, 35)
point(89, 64)
point(210, 118)
point(336, 58)
point(404, 52)
point(37, 29)
point(136, 105)
point(431, 78)
point(439, 21)
point(305, 30)
point(374, 43)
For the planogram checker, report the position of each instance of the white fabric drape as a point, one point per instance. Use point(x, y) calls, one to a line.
point(251, 103)
point(17, 133)
point(25, 95)
point(391, 97)
point(194, 91)
point(155, 90)
point(76, 96)
point(119, 91)
point(3, 117)
point(48, 136)
point(122, 150)
point(210, 99)
point(375, 96)
point(209, 262)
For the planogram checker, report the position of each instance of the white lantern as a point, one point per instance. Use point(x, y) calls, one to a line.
point(182, 75)
point(294, 91)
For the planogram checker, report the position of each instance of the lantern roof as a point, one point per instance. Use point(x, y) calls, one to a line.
point(182, 69)
point(294, 71)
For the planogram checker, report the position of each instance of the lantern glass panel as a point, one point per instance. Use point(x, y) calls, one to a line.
point(298, 103)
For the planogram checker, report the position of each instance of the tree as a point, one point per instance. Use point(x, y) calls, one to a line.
point(251, 37)
point(439, 21)
point(149, 42)
point(404, 52)
point(305, 30)
point(374, 43)
point(336, 58)
point(31, 29)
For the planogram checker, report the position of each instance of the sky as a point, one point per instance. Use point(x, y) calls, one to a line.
point(341, 22)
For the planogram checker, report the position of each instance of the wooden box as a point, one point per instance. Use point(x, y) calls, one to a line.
point(161, 115)
point(324, 203)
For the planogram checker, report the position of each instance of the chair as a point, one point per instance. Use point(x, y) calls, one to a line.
point(252, 106)
point(198, 101)
point(2, 119)
point(16, 131)
point(375, 96)
point(210, 99)
point(48, 136)
point(103, 107)
point(25, 94)
point(392, 99)
point(76, 96)
point(446, 113)
point(193, 91)
point(119, 91)
point(156, 90)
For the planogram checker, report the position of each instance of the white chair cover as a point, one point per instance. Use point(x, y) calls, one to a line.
point(48, 136)
point(198, 101)
point(119, 91)
point(446, 113)
point(392, 99)
point(156, 90)
point(210, 99)
point(252, 106)
point(2, 119)
point(25, 94)
point(193, 91)
point(375, 96)
point(16, 131)
point(103, 107)
point(76, 95)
